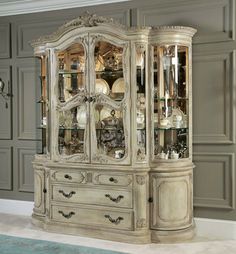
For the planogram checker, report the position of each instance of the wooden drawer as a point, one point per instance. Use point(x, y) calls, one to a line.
point(68, 176)
point(112, 179)
point(116, 198)
point(94, 217)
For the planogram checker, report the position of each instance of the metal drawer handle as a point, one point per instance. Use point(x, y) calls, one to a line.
point(114, 221)
point(67, 195)
point(116, 200)
point(67, 216)
point(111, 179)
point(68, 177)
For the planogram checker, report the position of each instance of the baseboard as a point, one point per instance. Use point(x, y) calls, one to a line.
point(220, 229)
point(16, 207)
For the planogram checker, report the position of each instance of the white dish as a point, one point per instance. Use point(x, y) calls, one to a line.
point(101, 86)
point(81, 117)
point(118, 86)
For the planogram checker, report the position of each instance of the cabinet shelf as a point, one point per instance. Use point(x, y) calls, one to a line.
point(170, 99)
point(71, 128)
point(170, 128)
point(71, 72)
point(110, 72)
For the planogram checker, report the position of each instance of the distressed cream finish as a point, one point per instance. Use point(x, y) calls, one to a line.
point(135, 199)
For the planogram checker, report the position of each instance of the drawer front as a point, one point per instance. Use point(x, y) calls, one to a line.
point(68, 176)
point(112, 179)
point(116, 198)
point(94, 217)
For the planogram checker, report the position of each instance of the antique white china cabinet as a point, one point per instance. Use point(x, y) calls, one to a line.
point(116, 158)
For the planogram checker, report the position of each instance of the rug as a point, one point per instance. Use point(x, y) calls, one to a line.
point(18, 245)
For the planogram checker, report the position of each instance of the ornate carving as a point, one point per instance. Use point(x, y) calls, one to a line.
point(141, 155)
point(85, 20)
point(140, 48)
point(140, 179)
point(100, 158)
point(141, 223)
point(75, 101)
point(89, 177)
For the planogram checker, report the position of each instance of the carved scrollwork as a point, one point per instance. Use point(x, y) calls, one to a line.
point(85, 20)
point(141, 223)
point(99, 158)
point(141, 179)
point(75, 101)
point(140, 48)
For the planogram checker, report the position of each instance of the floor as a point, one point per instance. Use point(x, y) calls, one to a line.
point(18, 225)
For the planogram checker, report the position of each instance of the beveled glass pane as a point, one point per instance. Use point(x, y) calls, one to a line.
point(72, 125)
point(171, 102)
point(110, 131)
point(109, 70)
point(141, 103)
point(71, 76)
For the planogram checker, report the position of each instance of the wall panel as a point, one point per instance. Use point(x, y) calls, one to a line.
point(5, 109)
point(4, 40)
point(6, 168)
point(214, 180)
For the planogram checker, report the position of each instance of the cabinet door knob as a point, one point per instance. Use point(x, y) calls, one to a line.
point(150, 200)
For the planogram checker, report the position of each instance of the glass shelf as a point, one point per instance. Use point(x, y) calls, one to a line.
point(170, 128)
point(42, 127)
point(171, 99)
point(110, 72)
point(109, 129)
point(71, 128)
point(65, 72)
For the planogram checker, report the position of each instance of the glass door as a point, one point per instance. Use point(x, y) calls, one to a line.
point(170, 102)
point(110, 118)
point(73, 109)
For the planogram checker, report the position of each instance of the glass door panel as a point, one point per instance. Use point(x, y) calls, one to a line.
point(72, 126)
point(71, 70)
point(109, 131)
point(43, 102)
point(73, 108)
point(141, 102)
point(170, 79)
point(109, 70)
point(109, 106)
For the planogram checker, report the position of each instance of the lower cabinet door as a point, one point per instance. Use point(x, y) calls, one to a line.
point(39, 191)
point(172, 200)
point(94, 217)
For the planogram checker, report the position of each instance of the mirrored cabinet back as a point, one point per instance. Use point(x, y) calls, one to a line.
point(116, 125)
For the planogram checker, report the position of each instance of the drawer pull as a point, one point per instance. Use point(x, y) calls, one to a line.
point(116, 200)
point(111, 179)
point(67, 195)
point(114, 221)
point(68, 177)
point(67, 216)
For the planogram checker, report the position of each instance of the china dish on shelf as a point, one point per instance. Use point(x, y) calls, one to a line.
point(81, 117)
point(118, 86)
point(177, 118)
point(101, 86)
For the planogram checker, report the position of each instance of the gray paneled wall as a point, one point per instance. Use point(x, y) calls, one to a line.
point(214, 81)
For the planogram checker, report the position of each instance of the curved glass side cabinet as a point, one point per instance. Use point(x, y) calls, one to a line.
point(116, 123)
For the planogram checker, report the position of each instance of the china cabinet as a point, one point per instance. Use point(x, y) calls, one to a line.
point(116, 156)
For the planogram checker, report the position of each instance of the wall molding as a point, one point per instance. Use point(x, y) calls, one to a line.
point(12, 7)
point(225, 229)
point(228, 200)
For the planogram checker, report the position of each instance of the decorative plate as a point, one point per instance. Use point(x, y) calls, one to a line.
point(81, 117)
point(118, 86)
point(101, 86)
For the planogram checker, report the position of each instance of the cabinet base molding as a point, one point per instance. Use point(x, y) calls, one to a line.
point(159, 236)
point(134, 237)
